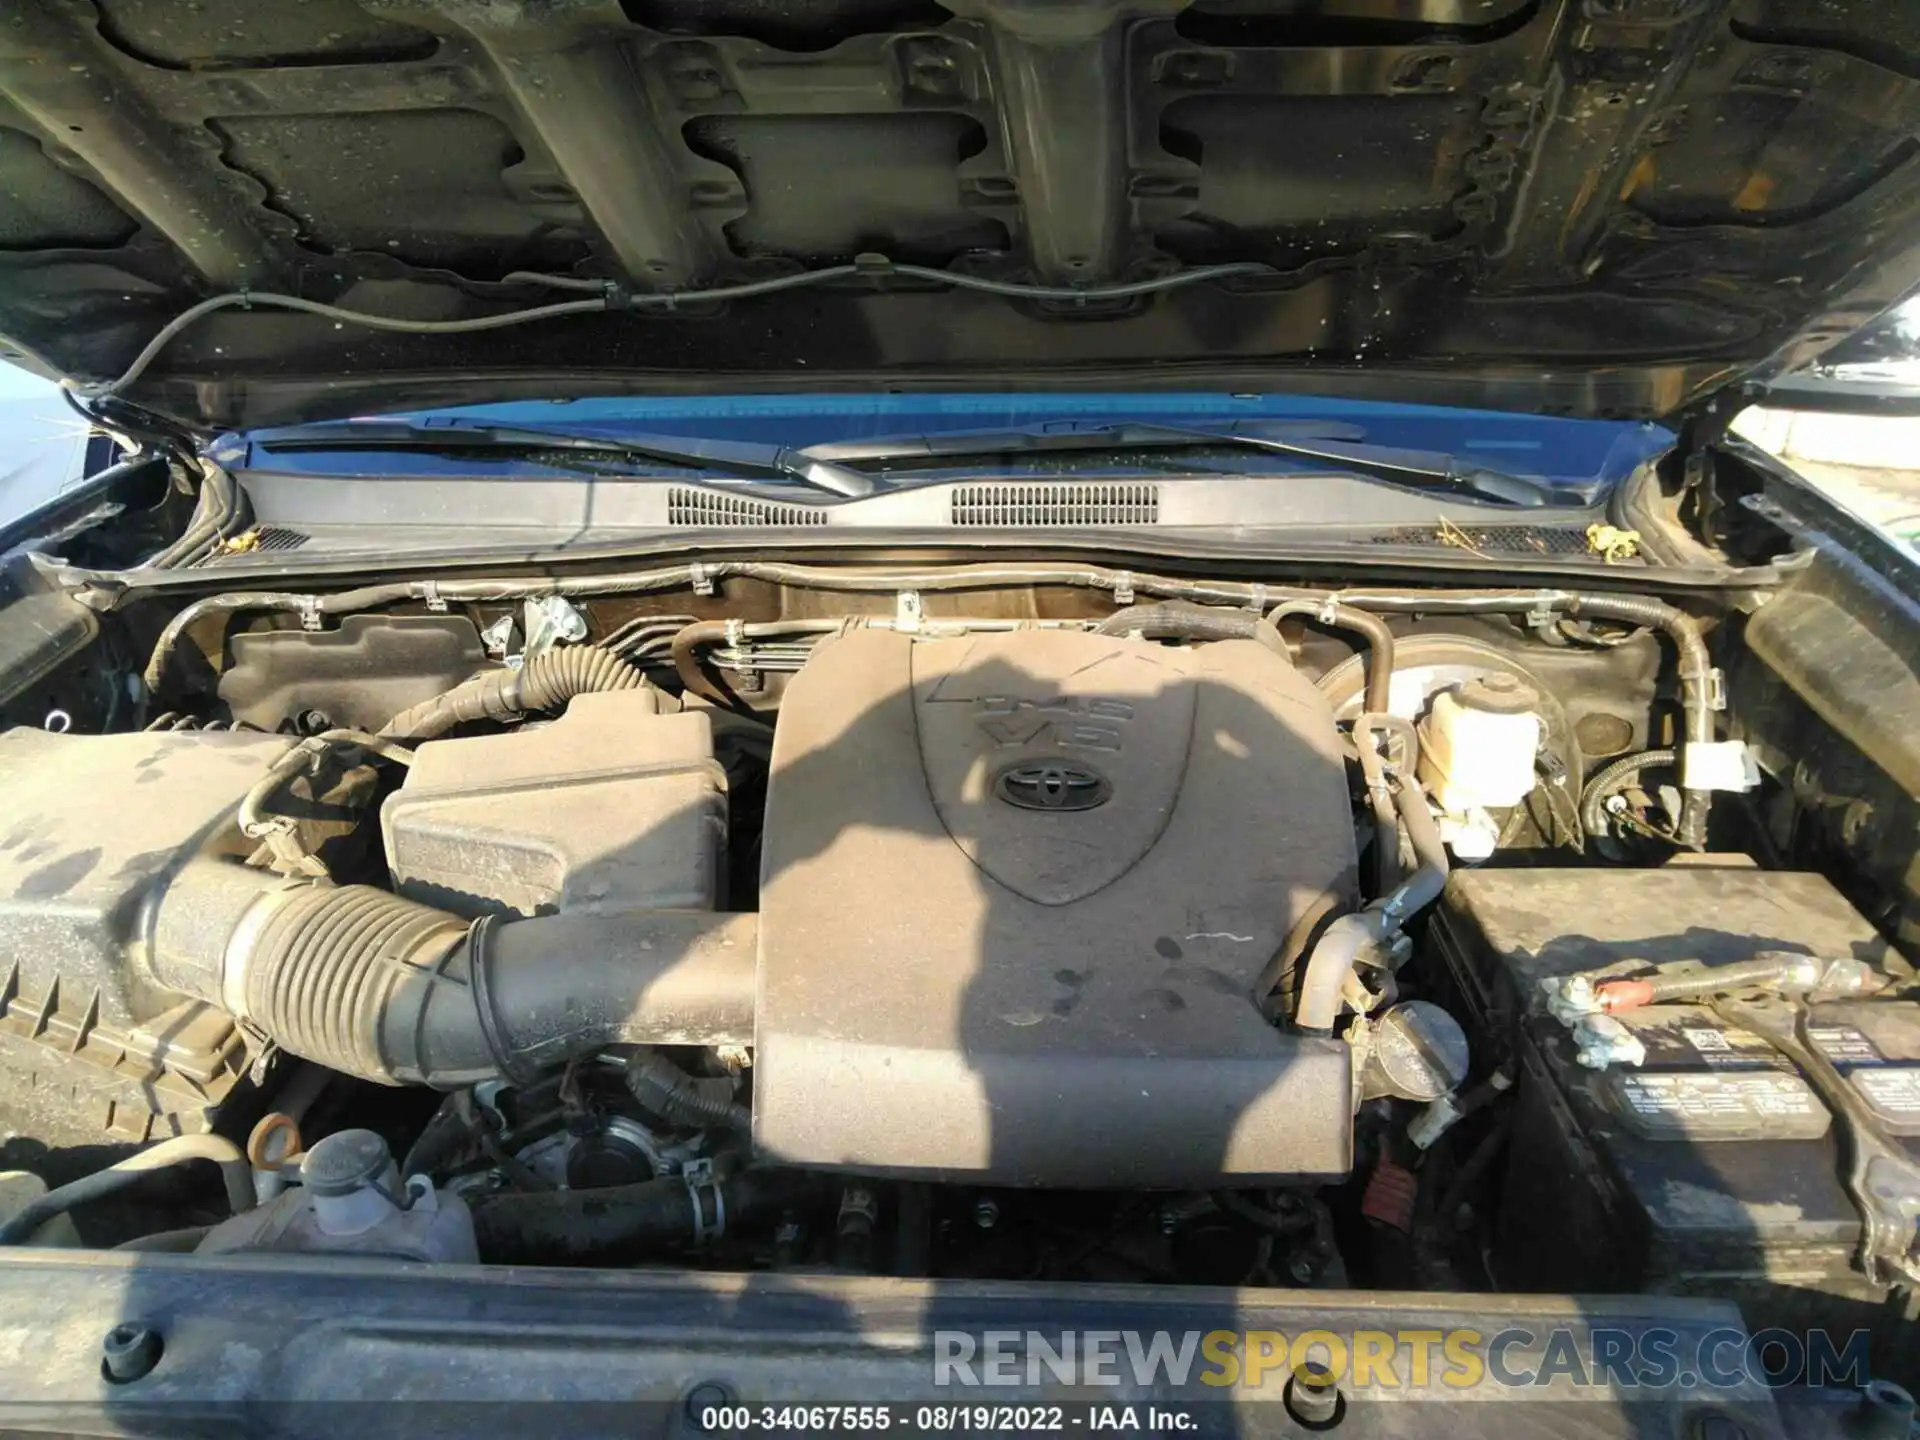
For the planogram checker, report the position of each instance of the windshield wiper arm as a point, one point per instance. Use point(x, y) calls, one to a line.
point(694, 452)
point(1394, 465)
point(1325, 443)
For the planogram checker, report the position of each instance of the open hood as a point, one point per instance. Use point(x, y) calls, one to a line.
point(1597, 207)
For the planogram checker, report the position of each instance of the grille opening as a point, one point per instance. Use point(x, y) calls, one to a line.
point(1089, 503)
point(688, 506)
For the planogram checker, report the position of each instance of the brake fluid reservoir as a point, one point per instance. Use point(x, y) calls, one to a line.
point(1479, 742)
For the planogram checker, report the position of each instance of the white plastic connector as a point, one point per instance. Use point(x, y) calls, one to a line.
point(1433, 1121)
point(907, 612)
point(1440, 1116)
point(1718, 765)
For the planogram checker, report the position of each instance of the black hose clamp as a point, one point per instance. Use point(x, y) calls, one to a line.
point(708, 1199)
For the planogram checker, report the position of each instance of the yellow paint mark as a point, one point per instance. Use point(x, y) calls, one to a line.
point(1756, 193)
point(1638, 178)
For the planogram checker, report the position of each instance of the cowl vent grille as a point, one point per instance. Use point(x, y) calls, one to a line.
point(279, 537)
point(1489, 539)
point(264, 539)
point(686, 506)
point(1056, 504)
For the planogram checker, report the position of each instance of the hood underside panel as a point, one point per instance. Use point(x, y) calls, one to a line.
point(1597, 206)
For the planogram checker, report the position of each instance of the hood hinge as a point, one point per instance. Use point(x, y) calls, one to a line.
point(1700, 500)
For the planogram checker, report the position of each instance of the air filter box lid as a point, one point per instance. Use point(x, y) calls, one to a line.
point(611, 807)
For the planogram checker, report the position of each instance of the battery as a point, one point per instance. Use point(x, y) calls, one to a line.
point(1713, 1167)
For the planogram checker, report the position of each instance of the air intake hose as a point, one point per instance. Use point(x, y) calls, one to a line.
point(546, 682)
point(374, 985)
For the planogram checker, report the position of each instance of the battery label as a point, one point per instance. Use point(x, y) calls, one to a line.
point(1721, 1049)
point(1751, 1105)
point(1893, 1092)
point(1844, 1045)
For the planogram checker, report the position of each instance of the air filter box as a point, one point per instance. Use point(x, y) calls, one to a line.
point(610, 807)
point(92, 827)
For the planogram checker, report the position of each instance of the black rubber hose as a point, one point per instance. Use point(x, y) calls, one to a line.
point(440, 1141)
point(234, 1172)
point(557, 1227)
point(1386, 815)
point(1423, 887)
point(690, 640)
point(1187, 622)
point(1275, 990)
point(1245, 1208)
point(1696, 688)
point(659, 1085)
point(1429, 878)
point(1364, 623)
point(1610, 779)
point(687, 644)
point(545, 682)
point(1323, 980)
point(169, 1242)
point(217, 506)
point(1479, 1160)
point(553, 677)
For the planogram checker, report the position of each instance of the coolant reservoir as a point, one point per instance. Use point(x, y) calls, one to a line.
point(1479, 742)
point(350, 1200)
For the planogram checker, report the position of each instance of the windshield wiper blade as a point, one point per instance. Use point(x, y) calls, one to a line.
point(1329, 444)
point(1067, 435)
point(694, 452)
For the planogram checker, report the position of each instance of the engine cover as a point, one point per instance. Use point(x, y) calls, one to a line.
point(1016, 893)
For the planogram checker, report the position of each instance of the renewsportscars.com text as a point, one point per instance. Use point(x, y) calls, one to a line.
point(1456, 1361)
